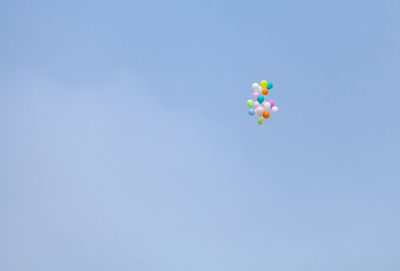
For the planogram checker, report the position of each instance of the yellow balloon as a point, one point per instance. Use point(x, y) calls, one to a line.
point(264, 84)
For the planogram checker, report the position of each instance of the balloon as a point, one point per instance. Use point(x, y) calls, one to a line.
point(255, 86)
point(259, 106)
point(264, 84)
point(259, 110)
point(266, 105)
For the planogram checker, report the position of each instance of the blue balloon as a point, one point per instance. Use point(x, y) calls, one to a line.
point(252, 111)
point(260, 99)
point(270, 85)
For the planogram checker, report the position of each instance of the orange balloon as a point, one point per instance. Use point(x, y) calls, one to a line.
point(265, 91)
point(266, 114)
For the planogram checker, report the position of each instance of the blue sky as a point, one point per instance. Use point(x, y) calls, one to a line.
point(126, 145)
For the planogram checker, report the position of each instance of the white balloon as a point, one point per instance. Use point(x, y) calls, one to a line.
point(275, 109)
point(266, 105)
point(259, 110)
point(259, 89)
point(255, 86)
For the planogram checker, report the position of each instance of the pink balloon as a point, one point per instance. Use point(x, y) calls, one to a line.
point(255, 95)
point(259, 110)
point(256, 104)
point(272, 103)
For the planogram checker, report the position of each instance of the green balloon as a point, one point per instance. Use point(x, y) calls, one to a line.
point(250, 103)
point(260, 121)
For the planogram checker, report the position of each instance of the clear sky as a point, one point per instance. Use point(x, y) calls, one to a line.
point(125, 142)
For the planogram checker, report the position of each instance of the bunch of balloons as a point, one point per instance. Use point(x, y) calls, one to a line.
point(260, 105)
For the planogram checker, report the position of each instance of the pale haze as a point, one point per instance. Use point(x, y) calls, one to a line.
point(125, 142)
